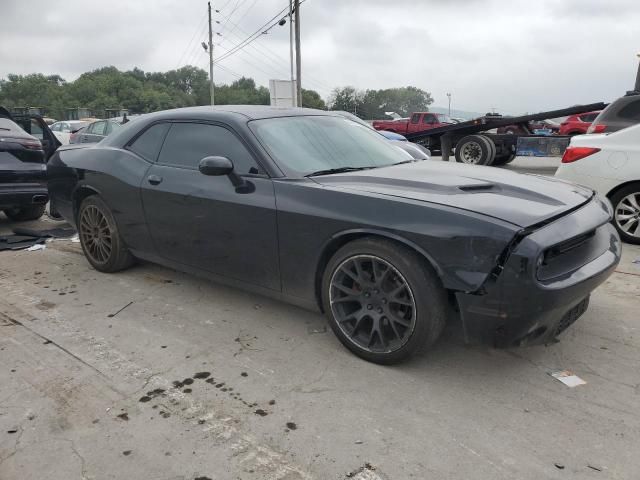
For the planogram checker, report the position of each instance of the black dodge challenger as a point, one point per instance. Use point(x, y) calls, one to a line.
point(320, 211)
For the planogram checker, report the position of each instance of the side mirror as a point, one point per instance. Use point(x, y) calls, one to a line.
point(215, 166)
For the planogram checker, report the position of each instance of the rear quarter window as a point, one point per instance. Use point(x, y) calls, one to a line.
point(630, 111)
point(148, 144)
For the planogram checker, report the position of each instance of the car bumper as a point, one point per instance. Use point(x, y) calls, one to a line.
point(535, 296)
point(23, 195)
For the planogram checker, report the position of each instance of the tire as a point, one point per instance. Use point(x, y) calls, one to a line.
point(474, 150)
point(503, 159)
point(492, 146)
point(626, 214)
point(99, 237)
point(404, 313)
point(20, 214)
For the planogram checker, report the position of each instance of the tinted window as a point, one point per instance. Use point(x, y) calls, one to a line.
point(415, 118)
point(630, 111)
point(429, 119)
point(590, 117)
point(148, 144)
point(188, 143)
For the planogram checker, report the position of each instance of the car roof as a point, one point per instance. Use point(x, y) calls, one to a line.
point(252, 112)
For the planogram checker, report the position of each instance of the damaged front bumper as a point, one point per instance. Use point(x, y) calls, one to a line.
point(545, 282)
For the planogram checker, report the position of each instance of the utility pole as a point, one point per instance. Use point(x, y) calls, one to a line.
point(298, 55)
point(210, 56)
point(449, 95)
point(294, 94)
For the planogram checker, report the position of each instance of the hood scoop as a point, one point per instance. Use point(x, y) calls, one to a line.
point(480, 188)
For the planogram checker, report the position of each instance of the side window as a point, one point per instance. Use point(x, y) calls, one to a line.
point(188, 143)
point(56, 127)
point(99, 128)
point(149, 143)
point(429, 119)
point(415, 118)
point(630, 111)
point(36, 129)
point(589, 117)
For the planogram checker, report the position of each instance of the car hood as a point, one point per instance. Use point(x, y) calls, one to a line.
point(521, 199)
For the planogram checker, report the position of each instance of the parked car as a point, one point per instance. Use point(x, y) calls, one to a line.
point(610, 164)
point(95, 132)
point(417, 151)
point(535, 126)
point(577, 124)
point(418, 122)
point(312, 208)
point(619, 114)
point(64, 129)
point(23, 179)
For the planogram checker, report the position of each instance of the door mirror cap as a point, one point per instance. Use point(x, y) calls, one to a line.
point(215, 166)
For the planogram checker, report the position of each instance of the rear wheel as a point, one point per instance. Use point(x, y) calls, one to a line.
point(475, 150)
point(32, 212)
point(503, 159)
point(626, 216)
point(384, 303)
point(99, 237)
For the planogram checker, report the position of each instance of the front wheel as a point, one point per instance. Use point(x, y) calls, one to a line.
point(384, 303)
point(626, 216)
point(99, 236)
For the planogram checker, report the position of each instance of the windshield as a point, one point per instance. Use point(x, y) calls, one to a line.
point(315, 143)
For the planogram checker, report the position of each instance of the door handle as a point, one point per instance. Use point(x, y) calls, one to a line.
point(154, 179)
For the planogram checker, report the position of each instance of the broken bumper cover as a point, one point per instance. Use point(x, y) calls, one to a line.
point(545, 283)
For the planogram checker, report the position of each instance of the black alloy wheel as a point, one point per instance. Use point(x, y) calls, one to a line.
point(372, 303)
point(383, 300)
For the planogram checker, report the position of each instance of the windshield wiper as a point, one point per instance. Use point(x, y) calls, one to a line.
point(330, 171)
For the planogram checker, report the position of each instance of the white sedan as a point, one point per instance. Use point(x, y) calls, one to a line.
point(610, 164)
point(63, 129)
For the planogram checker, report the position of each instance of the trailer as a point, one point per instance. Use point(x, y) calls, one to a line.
point(472, 144)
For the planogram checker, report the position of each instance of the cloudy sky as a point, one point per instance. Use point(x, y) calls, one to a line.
point(511, 55)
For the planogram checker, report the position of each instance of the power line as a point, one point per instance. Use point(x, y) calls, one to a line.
point(263, 29)
point(202, 22)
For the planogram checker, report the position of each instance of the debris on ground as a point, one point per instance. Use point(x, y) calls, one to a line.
point(33, 239)
point(568, 378)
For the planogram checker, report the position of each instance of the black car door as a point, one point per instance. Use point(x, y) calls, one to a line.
point(205, 221)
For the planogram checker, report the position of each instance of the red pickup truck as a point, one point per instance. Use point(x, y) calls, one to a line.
point(418, 122)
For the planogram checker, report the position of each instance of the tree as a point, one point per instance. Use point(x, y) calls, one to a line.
point(374, 103)
point(312, 99)
point(345, 98)
point(136, 90)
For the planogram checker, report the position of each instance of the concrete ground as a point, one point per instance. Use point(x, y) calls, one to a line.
point(154, 374)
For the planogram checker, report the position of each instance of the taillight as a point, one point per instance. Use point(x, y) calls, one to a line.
point(571, 154)
point(25, 142)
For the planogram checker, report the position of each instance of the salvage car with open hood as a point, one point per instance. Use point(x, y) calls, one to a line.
point(310, 207)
